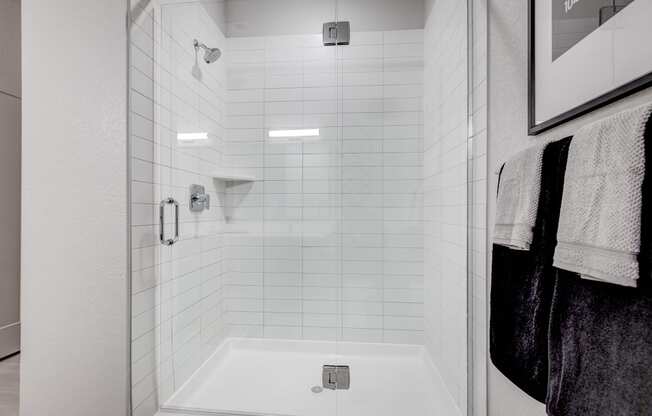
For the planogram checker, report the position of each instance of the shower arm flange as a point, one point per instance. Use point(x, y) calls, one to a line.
point(198, 45)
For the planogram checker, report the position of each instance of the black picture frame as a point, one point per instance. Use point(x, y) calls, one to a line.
point(612, 96)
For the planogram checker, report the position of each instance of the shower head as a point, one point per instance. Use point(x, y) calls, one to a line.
point(210, 54)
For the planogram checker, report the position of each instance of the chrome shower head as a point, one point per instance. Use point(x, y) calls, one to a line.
point(210, 54)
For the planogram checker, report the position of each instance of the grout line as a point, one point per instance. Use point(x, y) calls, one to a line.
point(339, 74)
point(382, 238)
point(10, 95)
point(302, 220)
point(264, 202)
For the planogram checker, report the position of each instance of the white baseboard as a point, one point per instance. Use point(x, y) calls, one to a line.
point(9, 339)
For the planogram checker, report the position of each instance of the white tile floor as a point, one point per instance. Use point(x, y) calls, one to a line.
point(9, 379)
point(269, 377)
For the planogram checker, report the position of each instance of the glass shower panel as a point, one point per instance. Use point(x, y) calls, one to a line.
point(403, 123)
point(288, 137)
point(283, 129)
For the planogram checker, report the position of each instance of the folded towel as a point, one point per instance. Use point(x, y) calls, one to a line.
point(600, 349)
point(600, 335)
point(518, 199)
point(522, 286)
point(600, 219)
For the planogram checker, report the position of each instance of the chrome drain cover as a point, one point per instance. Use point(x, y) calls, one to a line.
point(317, 389)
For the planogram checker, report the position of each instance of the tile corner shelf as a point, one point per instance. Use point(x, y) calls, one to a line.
point(233, 177)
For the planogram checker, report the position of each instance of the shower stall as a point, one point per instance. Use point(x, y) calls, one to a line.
point(299, 207)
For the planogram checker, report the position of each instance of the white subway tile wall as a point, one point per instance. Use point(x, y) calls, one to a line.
point(328, 244)
point(177, 319)
point(445, 193)
point(331, 241)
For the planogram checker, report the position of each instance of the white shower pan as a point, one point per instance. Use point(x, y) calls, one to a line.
point(262, 377)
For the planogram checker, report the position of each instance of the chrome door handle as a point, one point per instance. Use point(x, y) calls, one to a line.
point(170, 241)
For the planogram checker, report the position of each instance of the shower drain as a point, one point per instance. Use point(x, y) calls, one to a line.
point(317, 389)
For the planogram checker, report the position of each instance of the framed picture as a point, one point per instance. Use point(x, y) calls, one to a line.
point(585, 54)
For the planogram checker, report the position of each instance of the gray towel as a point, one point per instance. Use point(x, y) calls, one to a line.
point(518, 199)
point(522, 284)
point(599, 233)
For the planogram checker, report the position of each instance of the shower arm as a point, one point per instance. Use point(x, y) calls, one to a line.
point(198, 45)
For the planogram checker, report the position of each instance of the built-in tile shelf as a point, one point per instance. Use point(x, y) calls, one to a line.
point(231, 176)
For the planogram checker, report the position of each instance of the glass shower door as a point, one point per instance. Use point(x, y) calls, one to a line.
point(177, 117)
point(237, 113)
point(320, 263)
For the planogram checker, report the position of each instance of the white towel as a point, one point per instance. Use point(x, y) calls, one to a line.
point(518, 199)
point(599, 233)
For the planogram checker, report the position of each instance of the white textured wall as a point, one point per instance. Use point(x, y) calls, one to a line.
point(328, 243)
point(10, 176)
point(507, 130)
point(74, 261)
point(176, 291)
point(445, 193)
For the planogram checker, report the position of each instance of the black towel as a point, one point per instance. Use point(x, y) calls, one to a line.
point(600, 349)
point(522, 284)
point(601, 335)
